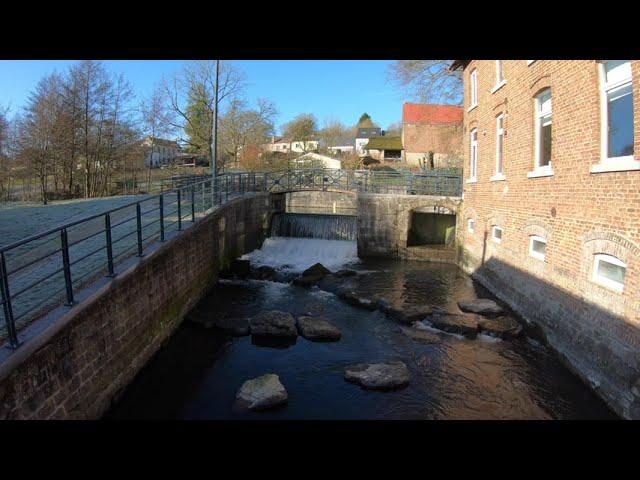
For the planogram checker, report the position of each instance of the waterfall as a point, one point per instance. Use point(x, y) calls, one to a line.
point(326, 227)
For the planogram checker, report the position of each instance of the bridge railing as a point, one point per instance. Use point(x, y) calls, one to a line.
point(45, 270)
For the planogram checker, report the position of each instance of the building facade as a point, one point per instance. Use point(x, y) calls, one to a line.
point(551, 214)
point(160, 151)
point(362, 138)
point(432, 128)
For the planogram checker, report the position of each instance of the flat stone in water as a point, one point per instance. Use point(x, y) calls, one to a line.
point(353, 299)
point(261, 393)
point(378, 376)
point(481, 306)
point(466, 325)
point(317, 328)
point(274, 323)
point(407, 316)
point(504, 326)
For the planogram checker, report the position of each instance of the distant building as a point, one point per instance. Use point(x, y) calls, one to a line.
point(285, 145)
point(363, 136)
point(315, 160)
point(159, 151)
point(385, 148)
point(340, 145)
point(432, 128)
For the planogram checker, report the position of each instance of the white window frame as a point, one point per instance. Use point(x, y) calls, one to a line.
point(603, 281)
point(541, 170)
point(500, 80)
point(611, 164)
point(493, 234)
point(473, 94)
point(499, 174)
point(473, 156)
point(532, 252)
point(471, 225)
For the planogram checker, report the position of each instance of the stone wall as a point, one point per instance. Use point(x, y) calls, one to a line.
point(384, 222)
point(321, 202)
point(83, 357)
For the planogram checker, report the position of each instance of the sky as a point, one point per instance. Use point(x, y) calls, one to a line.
point(341, 89)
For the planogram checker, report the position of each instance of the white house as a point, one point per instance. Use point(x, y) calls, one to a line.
point(315, 160)
point(363, 136)
point(340, 145)
point(159, 151)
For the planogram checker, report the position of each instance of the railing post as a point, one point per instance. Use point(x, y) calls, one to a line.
point(203, 204)
point(179, 210)
point(161, 201)
point(226, 188)
point(266, 189)
point(193, 203)
point(66, 266)
point(6, 305)
point(139, 228)
point(107, 229)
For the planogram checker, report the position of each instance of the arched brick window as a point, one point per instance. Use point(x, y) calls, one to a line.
point(536, 238)
point(609, 261)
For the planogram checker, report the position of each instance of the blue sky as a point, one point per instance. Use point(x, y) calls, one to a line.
point(341, 89)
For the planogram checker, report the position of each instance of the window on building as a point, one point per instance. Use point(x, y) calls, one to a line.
point(537, 247)
point(474, 88)
point(617, 109)
point(496, 234)
point(499, 143)
point(474, 154)
point(499, 73)
point(471, 225)
point(609, 271)
point(543, 129)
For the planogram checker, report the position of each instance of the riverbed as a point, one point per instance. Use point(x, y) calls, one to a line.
point(197, 374)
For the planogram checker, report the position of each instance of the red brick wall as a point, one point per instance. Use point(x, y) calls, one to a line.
point(579, 212)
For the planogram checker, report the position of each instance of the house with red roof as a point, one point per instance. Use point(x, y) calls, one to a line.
point(432, 128)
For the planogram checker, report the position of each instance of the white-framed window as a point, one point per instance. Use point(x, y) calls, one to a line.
point(473, 157)
point(537, 247)
point(496, 234)
point(617, 117)
point(609, 271)
point(471, 225)
point(499, 144)
point(499, 73)
point(474, 89)
point(543, 120)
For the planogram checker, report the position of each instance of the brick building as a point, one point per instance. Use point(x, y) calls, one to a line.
point(551, 208)
point(432, 128)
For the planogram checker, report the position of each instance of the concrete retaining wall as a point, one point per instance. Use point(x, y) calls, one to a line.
point(384, 222)
point(76, 361)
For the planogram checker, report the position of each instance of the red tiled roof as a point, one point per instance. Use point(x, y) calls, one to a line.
point(431, 114)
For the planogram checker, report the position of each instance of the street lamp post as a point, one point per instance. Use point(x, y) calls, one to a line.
point(214, 143)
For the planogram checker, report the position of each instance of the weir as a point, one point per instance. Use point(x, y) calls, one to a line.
point(326, 227)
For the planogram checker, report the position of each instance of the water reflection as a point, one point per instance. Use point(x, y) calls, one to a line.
point(197, 375)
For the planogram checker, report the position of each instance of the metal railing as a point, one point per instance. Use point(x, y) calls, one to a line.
point(40, 272)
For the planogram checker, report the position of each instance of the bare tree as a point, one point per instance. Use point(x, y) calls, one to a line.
point(156, 122)
point(332, 130)
point(302, 129)
point(241, 127)
point(429, 81)
point(191, 98)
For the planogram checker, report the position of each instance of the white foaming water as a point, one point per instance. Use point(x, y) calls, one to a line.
point(297, 254)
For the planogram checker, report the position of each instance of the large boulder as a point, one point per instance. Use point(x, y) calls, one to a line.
point(378, 376)
point(353, 299)
point(481, 306)
point(466, 325)
point(317, 328)
point(504, 327)
point(317, 269)
point(261, 393)
point(274, 324)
